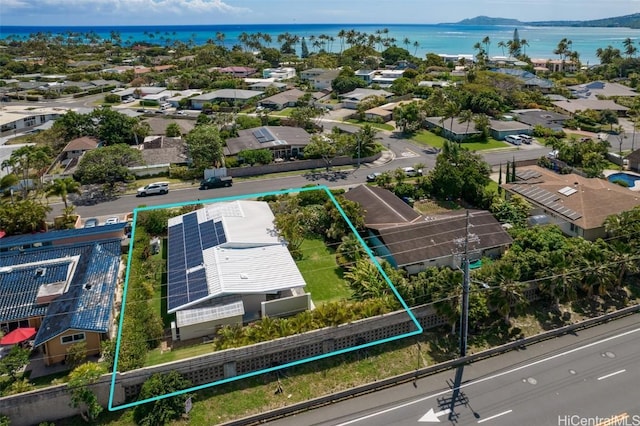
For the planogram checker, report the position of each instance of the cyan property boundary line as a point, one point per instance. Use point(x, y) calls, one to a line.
point(417, 325)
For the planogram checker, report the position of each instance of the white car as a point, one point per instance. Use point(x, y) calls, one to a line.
point(526, 138)
point(411, 172)
point(112, 221)
point(513, 139)
point(153, 189)
point(128, 100)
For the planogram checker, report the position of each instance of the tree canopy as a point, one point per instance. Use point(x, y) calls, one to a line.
point(108, 164)
point(205, 147)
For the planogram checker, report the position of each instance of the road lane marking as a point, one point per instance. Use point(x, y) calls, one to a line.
point(611, 374)
point(495, 416)
point(484, 379)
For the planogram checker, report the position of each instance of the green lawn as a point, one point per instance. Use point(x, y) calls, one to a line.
point(425, 137)
point(381, 126)
point(283, 113)
point(321, 273)
point(155, 356)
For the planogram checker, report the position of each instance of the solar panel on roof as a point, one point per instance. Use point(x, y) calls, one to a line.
point(221, 236)
point(197, 282)
point(193, 245)
point(177, 277)
point(263, 135)
point(208, 235)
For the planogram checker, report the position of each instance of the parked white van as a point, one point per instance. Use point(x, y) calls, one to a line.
point(516, 140)
point(165, 105)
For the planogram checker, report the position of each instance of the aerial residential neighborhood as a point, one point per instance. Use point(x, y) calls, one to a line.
point(357, 200)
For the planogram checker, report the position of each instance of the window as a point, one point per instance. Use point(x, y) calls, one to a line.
point(73, 338)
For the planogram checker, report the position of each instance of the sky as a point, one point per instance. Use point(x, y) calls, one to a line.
point(212, 12)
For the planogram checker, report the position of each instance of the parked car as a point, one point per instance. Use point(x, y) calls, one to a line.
point(526, 138)
point(128, 100)
point(411, 172)
point(553, 154)
point(513, 139)
point(91, 223)
point(153, 189)
point(216, 182)
point(112, 221)
point(373, 176)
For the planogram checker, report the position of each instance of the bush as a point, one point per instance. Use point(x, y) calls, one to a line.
point(111, 98)
point(160, 412)
point(76, 354)
point(185, 173)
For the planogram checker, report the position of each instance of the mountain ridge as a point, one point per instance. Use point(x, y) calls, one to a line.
point(625, 21)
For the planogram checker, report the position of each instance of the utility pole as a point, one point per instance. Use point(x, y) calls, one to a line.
point(359, 142)
point(464, 311)
point(464, 317)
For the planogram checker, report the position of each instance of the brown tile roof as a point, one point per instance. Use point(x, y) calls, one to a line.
point(440, 235)
point(595, 199)
point(84, 143)
point(164, 150)
point(382, 207)
point(277, 135)
point(159, 125)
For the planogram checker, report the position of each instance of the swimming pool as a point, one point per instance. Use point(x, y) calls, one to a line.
point(630, 180)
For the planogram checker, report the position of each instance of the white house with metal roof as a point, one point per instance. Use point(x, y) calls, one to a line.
point(228, 265)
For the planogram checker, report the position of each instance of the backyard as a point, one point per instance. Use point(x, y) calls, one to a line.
point(321, 273)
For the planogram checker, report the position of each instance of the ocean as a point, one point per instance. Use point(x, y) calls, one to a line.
point(436, 38)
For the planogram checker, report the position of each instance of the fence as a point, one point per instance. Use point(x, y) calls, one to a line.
point(288, 166)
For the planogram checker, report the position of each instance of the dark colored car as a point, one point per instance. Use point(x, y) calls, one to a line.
point(91, 223)
point(216, 182)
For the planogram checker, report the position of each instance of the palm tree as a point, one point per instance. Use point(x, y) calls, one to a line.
point(629, 49)
point(451, 110)
point(406, 42)
point(141, 130)
point(466, 116)
point(341, 35)
point(507, 294)
point(564, 48)
point(487, 42)
point(366, 138)
point(502, 45)
point(415, 47)
point(63, 187)
point(524, 43)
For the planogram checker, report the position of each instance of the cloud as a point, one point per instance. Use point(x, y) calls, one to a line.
point(125, 6)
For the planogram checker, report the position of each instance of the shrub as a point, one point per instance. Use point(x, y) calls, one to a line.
point(161, 411)
point(76, 354)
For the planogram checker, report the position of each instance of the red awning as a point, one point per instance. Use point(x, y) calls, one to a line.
point(18, 335)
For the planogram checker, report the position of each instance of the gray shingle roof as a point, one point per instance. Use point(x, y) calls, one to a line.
point(382, 208)
point(418, 242)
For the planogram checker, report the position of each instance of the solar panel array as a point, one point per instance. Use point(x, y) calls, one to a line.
point(527, 174)
point(187, 280)
point(263, 135)
point(546, 199)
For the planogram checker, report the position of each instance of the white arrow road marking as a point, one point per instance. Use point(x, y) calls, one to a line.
point(432, 417)
point(491, 377)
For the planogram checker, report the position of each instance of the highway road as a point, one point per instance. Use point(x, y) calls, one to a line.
point(582, 379)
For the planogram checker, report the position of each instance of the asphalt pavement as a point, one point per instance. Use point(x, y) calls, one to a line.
point(586, 378)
